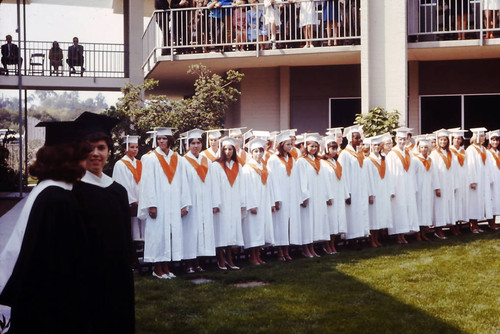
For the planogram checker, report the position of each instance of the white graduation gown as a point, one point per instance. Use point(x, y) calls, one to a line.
point(356, 178)
point(479, 199)
point(124, 176)
point(286, 190)
point(257, 228)
point(198, 225)
point(382, 189)
point(227, 222)
point(495, 181)
point(314, 217)
point(404, 204)
point(337, 219)
point(211, 152)
point(462, 188)
point(426, 183)
point(444, 206)
point(163, 235)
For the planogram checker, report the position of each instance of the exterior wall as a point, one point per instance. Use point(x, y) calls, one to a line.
point(310, 91)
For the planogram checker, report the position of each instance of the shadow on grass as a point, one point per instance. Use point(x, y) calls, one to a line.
point(305, 296)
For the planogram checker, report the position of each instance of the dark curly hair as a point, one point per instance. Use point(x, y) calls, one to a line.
point(60, 162)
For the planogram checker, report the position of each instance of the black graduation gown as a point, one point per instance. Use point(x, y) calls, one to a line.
point(47, 288)
point(107, 219)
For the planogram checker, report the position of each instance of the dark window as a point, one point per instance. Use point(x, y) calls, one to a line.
point(343, 111)
point(440, 112)
point(482, 110)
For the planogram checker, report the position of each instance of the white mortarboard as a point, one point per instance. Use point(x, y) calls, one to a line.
point(456, 132)
point(348, 131)
point(367, 141)
point(194, 134)
point(151, 135)
point(299, 139)
point(430, 137)
point(403, 131)
point(442, 133)
point(227, 141)
point(333, 131)
point(423, 141)
point(256, 143)
point(164, 131)
point(130, 140)
point(330, 138)
point(236, 132)
point(291, 132)
point(261, 134)
point(494, 133)
point(478, 131)
point(285, 135)
point(183, 141)
point(386, 137)
point(247, 135)
point(213, 134)
point(316, 137)
point(376, 140)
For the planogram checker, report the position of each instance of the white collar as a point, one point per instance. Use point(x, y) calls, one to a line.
point(159, 150)
point(104, 181)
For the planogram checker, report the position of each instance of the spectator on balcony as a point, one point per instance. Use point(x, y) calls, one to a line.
point(55, 58)
point(460, 8)
point(255, 20)
point(289, 18)
point(162, 20)
point(272, 18)
point(10, 53)
point(227, 14)
point(240, 23)
point(491, 8)
point(331, 19)
point(180, 26)
point(215, 18)
point(200, 25)
point(75, 56)
point(307, 19)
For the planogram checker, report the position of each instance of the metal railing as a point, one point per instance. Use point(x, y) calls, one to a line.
point(432, 20)
point(104, 60)
point(256, 26)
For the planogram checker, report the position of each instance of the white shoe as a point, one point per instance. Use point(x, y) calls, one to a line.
point(171, 275)
point(311, 46)
point(164, 276)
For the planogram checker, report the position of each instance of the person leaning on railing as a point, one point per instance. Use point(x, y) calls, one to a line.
point(215, 19)
point(180, 26)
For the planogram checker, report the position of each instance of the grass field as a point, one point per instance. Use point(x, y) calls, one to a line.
point(448, 286)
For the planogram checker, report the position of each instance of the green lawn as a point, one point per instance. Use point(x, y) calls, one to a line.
point(450, 286)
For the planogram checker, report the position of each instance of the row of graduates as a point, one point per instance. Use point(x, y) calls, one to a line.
point(306, 191)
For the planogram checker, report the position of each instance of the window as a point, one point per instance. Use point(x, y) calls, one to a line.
point(343, 111)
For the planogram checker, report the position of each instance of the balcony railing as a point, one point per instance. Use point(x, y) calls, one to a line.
point(249, 27)
point(432, 20)
point(103, 60)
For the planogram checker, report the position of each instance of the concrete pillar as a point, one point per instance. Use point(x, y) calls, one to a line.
point(384, 77)
point(413, 98)
point(284, 97)
point(133, 27)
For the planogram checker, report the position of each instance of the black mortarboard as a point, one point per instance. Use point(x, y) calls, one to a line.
point(60, 132)
point(90, 123)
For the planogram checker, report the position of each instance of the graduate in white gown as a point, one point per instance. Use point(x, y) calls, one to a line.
point(337, 220)
point(227, 222)
point(479, 180)
point(286, 188)
point(257, 221)
point(427, 184)
point(404, 206)
point(198, 225)
point(127, 172)
point(164, 200)
point(236, 134)
point(212, 151)
point(352, 160)
point(444, 200)
point(295, 152)
point(382, 189)
point(315, 196)
point(494, 141)
point(457, 148)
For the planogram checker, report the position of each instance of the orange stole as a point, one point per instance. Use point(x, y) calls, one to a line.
point(447, 159)
point(136, 172)
point(230, 173)
point(316, 163)
point(426, 162)
point(169, 170)
point(262, 172)
point(294, 154)
point(380, 166)
point(483, 154)
point(288, 164)
point(337, 168)
point(201, 169)
point(460, 156)
point(209, 155)
point(243, 158)
point(358, 156)
point(497, 157)
point(406, 160)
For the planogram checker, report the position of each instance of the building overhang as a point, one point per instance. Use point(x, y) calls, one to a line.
point(63, 83)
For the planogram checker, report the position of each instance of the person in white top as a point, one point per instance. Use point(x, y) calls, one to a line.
point(494, 141)
point(212, 151)
point(458, 151)
point(257, 221)
point(479, 180)
point(127, 172)
point(164, 200)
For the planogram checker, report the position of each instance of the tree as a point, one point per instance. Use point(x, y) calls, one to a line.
point(378, 121)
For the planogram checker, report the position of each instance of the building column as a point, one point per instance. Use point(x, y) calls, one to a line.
point(413, 98)
point(133, 12)
point(384, 57)
point(284, 97)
